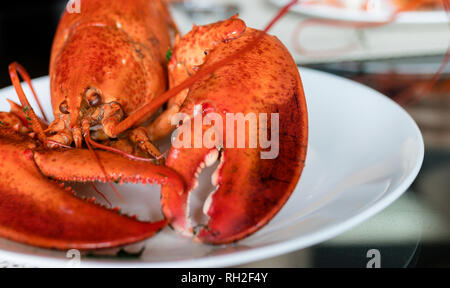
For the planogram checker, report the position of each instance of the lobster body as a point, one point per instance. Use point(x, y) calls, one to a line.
point(110, 55)
point(108, 62)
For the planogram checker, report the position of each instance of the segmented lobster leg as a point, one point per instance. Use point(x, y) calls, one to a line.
point(39, 212)
point(18, 120)
point(13, 121)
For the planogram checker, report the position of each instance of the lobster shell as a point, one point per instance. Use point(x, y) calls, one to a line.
point(118, 47)
point(249, 190)
point(40, 212)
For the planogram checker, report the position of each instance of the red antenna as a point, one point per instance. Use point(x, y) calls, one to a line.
point(158, 102)
point(404, 98)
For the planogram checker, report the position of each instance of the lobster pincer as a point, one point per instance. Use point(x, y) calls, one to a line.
point(38, 211)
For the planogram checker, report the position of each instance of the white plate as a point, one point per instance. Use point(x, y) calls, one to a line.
point(357, 15)
point(364, 152)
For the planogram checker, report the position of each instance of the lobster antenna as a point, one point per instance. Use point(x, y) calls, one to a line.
point(97, 159)
point(31, 116)
point(404, 98)
point(280, 14)
point(411, 5)
point(158, 102)
point(118, 151)
point(100, 193)
point(56, 144)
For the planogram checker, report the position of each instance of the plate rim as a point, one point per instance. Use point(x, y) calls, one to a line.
point(259, 253)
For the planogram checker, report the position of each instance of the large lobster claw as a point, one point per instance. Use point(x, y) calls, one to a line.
point(37, 211)
point(250, 190)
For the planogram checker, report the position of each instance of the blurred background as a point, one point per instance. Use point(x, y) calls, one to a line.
point(397, 58)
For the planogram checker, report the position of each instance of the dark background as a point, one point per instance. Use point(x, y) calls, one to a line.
point(26, 35)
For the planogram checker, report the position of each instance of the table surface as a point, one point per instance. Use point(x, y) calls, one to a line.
point(412, 232)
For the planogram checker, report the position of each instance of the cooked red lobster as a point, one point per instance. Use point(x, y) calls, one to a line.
point(108, 75)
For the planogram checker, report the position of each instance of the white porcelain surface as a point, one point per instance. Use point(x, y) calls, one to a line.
point(356, 15)
point(364, 152)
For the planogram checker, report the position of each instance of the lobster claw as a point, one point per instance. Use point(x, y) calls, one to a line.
point(250, 188)
point(39, 212)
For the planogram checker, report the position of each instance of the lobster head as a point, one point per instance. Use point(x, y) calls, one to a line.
point(106, 62)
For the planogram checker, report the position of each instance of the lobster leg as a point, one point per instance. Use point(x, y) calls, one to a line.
point(39, 212)
point(14, 121)
point(34, 121)
point(139, 137)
